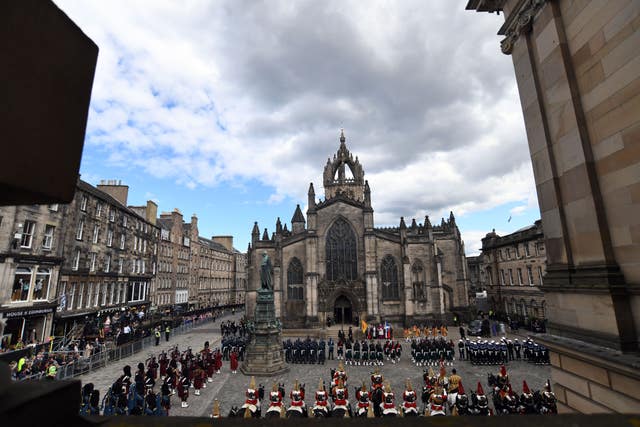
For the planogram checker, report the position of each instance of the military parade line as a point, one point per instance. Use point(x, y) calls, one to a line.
point(180, 371)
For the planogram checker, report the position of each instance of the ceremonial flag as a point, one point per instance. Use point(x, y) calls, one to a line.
point(364, 326)
point(63, 301)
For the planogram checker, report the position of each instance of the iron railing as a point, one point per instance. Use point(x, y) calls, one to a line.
point(84, 365)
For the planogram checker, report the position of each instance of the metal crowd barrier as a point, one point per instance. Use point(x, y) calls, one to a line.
point(84, 365)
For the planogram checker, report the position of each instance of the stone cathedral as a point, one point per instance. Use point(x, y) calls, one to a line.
point(336, 264)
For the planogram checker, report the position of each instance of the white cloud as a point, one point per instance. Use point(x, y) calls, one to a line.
point(473, 240)
point(208, 93)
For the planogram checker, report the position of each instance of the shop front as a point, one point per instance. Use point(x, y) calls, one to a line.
point(26, 325)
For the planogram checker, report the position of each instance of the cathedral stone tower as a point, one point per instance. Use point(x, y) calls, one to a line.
point(336, 180)
point(337, 266)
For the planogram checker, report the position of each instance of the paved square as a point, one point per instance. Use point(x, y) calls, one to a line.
point(229, 388)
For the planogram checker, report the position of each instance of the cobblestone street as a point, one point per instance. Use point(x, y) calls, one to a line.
point(231, 393)
point(229, 388)
point(198, 405)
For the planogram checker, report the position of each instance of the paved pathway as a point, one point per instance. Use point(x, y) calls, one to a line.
point(198, 405)
point(233, 388)
point(229, 388)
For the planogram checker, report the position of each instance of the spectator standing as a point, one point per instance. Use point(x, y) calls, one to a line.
point(157, 335)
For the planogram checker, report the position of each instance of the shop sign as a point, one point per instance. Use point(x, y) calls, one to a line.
point(28, 312)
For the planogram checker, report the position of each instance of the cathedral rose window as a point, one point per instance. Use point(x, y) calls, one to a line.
point(341, 252)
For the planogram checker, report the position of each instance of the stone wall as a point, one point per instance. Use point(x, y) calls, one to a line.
point(590, 380)
point(577, 65)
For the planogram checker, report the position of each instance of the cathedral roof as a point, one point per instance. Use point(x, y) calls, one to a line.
point(297, 215)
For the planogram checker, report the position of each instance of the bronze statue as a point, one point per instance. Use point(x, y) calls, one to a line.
point(266, 270)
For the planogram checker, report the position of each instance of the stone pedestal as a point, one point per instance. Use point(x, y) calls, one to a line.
point(265, 356)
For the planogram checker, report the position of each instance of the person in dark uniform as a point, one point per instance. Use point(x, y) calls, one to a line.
point(510, 349)
point(331, 344)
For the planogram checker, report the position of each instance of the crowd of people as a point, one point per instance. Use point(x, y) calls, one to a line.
point(47, 364)
point(173, 372)
point(230, 327)
point(41, 365)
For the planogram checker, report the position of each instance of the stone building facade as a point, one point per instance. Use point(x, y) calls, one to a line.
point(336, 264)
point(215, 272)
point(512, 271)
point(578, 74)
point(31, 251)
point(109, 255)
point(240, 266)
point(194, 272)
point(174, 278)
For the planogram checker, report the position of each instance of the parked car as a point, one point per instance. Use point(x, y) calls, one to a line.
point(475, 328)
point(537, 326)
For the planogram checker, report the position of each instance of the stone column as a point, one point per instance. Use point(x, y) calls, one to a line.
point(408, 292)
point(440, 292)
point(578, 74)
point(371, 275)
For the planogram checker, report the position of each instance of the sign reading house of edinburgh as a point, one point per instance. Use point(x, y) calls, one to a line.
point(28, 312)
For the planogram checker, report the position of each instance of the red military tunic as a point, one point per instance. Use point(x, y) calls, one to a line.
point(234, 361)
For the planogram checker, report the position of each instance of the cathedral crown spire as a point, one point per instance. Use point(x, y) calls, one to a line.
point(344, 175)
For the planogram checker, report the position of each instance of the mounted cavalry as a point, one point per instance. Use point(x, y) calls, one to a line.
point(297, 408)
point(276, 406)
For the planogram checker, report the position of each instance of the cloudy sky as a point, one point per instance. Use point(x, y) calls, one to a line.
point(228, 109)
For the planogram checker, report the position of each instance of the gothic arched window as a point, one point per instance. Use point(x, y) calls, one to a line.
point(342, 260)
point(295, 280)
point(389, 276)
point(418, 282)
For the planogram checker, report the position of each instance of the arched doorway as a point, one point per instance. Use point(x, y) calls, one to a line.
point(342, 310)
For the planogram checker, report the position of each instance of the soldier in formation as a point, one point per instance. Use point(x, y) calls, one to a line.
point(431, 351)
point(308, 351)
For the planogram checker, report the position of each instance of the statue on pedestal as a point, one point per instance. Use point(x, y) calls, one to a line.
point(265, 355)
point(266, 271)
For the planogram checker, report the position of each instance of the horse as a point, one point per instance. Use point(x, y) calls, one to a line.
point(340, 411)
point(546, 402)
point(505, 403)
point(240, 412)
point(492, 380)
point(276, 409)
point(297, 407)
point(461, 406)
point(297, 412)
point(479, 405)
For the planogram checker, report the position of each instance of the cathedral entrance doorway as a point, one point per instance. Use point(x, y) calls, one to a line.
point(342, 311)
